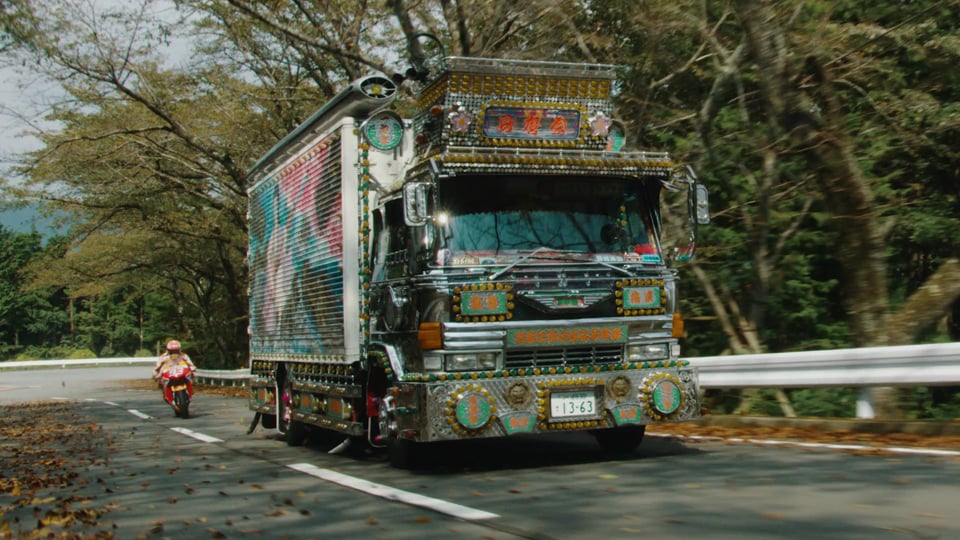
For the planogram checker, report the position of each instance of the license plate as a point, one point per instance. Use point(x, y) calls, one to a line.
point(573, 404)
point(179, 387)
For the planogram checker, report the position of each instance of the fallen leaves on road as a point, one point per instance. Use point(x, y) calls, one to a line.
point(45, 445)
point(748, 433)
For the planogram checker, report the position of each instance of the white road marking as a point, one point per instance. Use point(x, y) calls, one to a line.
point(9, 388)
point(196, 435)
point(393, 494)
point(112, 403)
point(828, 446)
point(139, 414)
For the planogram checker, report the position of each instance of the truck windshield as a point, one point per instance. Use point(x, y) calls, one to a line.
point(503, 215)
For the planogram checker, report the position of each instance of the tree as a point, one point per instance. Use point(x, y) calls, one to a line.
point(766, 99)
point(147, 160)
point(15, 251)
point(150, 160)
point(810, 118)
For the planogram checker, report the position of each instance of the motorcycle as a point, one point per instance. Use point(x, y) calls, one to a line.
point(178, 388)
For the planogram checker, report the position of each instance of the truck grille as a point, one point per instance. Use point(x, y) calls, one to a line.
point(569, 356)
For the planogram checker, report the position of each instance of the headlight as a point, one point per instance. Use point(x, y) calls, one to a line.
point(432, 362)
point(472, 361)
point(487, 360)
point(650, 351)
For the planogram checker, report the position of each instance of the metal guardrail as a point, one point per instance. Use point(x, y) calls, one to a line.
point(908, 365)
point(76, 362)
point(232, 377)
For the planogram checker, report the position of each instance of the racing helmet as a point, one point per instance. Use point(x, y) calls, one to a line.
point(173, 345)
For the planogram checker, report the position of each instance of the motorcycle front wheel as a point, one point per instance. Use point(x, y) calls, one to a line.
point(181, 403)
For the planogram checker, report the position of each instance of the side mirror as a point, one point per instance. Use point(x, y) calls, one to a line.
point(699, 198)
point(684, 205)
point(702, 204)
point(416, 203)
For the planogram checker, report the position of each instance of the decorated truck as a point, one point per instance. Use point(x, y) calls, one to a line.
point(498, 264)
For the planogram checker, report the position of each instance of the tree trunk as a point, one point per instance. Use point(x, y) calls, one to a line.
point(938, 295)
point(793, 120)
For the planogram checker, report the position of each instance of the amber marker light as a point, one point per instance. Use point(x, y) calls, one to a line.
point(430, 336)
point(678, 329)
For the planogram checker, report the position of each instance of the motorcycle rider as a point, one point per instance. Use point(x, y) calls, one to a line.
point(171, 357)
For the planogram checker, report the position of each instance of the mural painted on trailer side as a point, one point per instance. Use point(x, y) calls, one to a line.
point(295, 254)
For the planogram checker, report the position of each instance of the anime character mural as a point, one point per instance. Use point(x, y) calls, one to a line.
point(296, 255)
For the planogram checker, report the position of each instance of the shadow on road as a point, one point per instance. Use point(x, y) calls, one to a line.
point(511, 453)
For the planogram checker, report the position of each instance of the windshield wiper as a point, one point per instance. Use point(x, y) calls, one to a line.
point(507, 268)
point(533, 254)
point(617, 268)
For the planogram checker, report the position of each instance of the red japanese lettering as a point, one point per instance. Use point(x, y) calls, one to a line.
point(559, 125)
point(531, 124)
point(506, 124)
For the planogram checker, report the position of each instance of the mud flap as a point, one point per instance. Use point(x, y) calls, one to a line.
point(253, 425)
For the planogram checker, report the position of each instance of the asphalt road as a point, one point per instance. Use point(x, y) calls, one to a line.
point(206, 477)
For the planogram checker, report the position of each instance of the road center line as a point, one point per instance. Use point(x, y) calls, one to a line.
point(393, 494)
point(139, 414)
point(196, 435)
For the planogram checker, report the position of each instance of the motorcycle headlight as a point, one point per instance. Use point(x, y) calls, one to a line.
point(648, 351)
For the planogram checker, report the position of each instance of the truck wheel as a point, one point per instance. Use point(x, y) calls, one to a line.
point(403, 453)
point(296, 432)
point(620, 440)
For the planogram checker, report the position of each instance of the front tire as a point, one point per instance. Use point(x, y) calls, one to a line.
point(181, 404)
point(403, 453)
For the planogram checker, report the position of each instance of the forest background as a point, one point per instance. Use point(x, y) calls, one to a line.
point(826, 131)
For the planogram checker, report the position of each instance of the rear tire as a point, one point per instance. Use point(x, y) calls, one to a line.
point(621, 440)
point(295, 432)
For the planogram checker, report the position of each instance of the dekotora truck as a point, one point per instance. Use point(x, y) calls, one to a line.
point(499, 264)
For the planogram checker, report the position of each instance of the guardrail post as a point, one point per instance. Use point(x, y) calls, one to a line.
point(865, 404)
